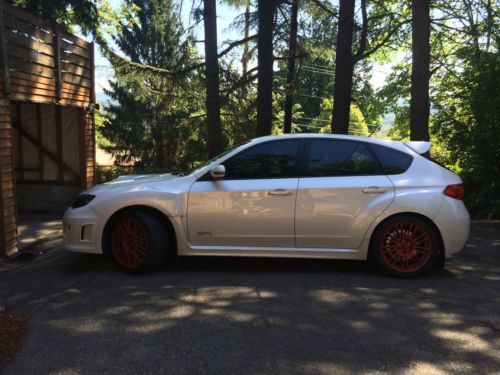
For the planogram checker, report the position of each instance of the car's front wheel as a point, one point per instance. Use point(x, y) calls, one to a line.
point(405, 246)
point(139, 241)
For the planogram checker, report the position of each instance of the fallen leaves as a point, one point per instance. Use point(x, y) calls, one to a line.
point(13, 329)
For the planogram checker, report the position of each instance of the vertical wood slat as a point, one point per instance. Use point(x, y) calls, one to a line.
point(3, 54)
point(90, 159)
point(3, 250)
point(89, 150)
point(81, 144)
point(40, 139)
point(92, 121)
point(59, 144)
point(92, 142)
point(8, 214)
point(20, 152)
point(92, 74)
point(57, 60)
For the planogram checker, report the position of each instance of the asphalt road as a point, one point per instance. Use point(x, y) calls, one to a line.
point(254, 316)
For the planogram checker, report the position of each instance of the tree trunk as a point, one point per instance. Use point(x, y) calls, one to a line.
point(420, 74)
point(265, 67)
point(159, 150)
point(344, 68)
point(214, 132)
point(292, 51)
point(245, 56)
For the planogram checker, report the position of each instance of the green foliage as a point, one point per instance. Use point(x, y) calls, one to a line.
point(238, 112)
point(155, 121)
point(100, 123)
point(357, 123)
point(110, 173)
point(467, 126)
point(316, 41)
point(68, 13)
point(464, 94)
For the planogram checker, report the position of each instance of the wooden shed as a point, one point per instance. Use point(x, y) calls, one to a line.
point(47, 133)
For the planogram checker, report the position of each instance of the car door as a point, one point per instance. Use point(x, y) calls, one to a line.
point(341, 194)
point(253, 205)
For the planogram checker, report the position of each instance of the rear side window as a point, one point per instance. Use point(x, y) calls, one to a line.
point(392, 161)
point(340, 158)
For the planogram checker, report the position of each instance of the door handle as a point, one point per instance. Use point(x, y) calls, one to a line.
point(374, 190)
point(280, 192)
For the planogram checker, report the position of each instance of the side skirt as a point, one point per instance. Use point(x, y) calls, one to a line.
point(278, 252)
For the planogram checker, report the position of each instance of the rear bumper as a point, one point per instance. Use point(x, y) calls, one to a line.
point(81, 230)
point(453, 221)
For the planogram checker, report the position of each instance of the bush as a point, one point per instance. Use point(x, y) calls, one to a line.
point(109, 173)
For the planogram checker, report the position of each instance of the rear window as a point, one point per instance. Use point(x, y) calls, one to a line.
point(392, 161)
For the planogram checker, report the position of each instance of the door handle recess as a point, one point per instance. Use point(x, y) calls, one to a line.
point(280, 192)
point(374, 190)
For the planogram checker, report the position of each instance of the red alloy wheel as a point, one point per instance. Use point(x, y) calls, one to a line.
point(130, 242)
point(406, 246)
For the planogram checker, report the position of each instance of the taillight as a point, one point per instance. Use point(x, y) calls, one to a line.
point(454, 191)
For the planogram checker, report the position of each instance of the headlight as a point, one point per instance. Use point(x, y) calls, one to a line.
point(82, 200)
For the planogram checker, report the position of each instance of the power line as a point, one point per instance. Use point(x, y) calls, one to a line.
point(352, 132)
point(313, 119)
point(313, 70)
point(313, 96)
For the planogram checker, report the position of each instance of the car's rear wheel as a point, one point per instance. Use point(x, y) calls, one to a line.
point(405, 246)
point(139, 241)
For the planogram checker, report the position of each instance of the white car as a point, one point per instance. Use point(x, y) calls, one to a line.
point(295, 196)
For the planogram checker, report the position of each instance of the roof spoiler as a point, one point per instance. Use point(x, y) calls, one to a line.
point(420, 147)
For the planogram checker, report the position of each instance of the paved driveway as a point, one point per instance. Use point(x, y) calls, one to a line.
point(249, 316)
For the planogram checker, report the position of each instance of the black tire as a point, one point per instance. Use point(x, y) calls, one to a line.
point(139, 241)
point(405, 246)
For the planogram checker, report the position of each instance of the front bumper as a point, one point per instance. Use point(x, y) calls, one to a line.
point(453, 221)
point(81, 230)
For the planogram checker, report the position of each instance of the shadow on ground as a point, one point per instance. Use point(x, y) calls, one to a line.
point(253, 316)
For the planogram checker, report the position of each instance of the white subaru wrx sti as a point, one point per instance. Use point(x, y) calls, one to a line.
point(300, 196)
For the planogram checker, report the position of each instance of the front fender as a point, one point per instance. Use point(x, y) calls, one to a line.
point(170, 204)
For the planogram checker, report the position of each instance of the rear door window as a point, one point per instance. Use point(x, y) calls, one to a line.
point(340, 158)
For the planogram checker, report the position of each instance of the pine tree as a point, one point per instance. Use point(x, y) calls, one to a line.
point(151, 118)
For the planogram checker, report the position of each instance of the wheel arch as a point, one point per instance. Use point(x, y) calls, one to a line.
point(105, 238)
point(441, 255)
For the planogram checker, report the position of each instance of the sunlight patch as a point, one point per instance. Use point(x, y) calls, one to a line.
point(467, 341)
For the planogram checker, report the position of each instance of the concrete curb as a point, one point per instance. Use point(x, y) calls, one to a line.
point(3, 304)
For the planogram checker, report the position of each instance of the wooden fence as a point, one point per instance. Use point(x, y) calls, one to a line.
point(43, 64)
point(39, 63)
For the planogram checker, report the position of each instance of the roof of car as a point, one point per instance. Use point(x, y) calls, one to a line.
point(385, 142)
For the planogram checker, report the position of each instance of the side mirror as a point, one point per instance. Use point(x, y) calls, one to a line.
point(219, 171)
